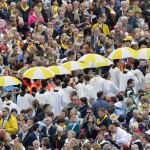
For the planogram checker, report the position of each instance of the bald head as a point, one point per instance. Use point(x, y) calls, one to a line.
point(25, 128)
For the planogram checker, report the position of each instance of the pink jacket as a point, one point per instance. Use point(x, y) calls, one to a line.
point(32, 19)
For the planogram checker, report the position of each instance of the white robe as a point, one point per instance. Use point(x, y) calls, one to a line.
point(115, 74)
point(68, 90)
point(112, 89)
point(124, 77)
point(86, 90)
point(11, 106)
point(147, 78)
point(140, 78)
point(99, 84)
point(25, 101)
point(45, 98)
point(60, 101)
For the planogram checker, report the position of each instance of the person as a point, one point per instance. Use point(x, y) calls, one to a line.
point(59, 139)
point(99, 103)
point(50, 130)
point(35, 135)
point(83, 140)
point(10, 104)
point(115, 72)
point(74, 125)
point(85, 89)
point(122, 137)
point(89, 127)
point(59, 97)
point(24, 100)
point(24, 135)
point(103, 119)
point(84, 107)
point(9, 122)
point(36, 145)
point(71, 134)
point(43, 96)
point(98, 82)
point(130, 86)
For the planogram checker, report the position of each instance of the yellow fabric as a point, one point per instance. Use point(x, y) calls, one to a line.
point(24, 8)
point(55, 8)
point(104, 28)
point(98, 121)
point(40, 9)
point(17, 43)
point(5, 5)
point(29, 47)
point(59, 138)
point(11, 125)
point(64, 46)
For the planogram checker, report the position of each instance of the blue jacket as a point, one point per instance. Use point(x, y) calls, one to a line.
point(75, 126)
point(98, 104)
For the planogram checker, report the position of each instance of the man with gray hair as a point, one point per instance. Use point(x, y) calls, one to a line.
point(49, 130)
point(133, 119)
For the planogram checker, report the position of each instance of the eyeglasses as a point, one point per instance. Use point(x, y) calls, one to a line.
point(15, 73)
point(144, 107)
point(4, 111)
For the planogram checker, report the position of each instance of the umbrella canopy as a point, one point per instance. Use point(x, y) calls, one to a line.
point(9, 80)
point(73, 65)
point(144, 53)
point(58, 70)
point(38, 73)
point(121, 53)
point(95, 60)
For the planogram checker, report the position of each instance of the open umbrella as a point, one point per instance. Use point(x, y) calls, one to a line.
point(74, 65)
point(58, 70)
point(9, 80)
point(38, 73)
point(95, 60)
point(124, 52)
point(143, 53)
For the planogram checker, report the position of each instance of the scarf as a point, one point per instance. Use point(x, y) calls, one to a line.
point(55, 8)
point(24, 8)
point(99, 121)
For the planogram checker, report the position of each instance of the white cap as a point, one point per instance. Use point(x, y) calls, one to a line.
point(118, 104)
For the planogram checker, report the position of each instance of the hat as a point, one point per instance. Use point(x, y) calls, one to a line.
point(148, 132)
point(128, 38)
point(118, 104)
point(70, 53)
point(113, 117)
point(111, 100)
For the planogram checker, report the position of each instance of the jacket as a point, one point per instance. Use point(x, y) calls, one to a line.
point(25, 140)
point(11, 125)
point(104, 28)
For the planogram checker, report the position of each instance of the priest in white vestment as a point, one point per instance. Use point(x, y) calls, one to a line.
point(98, 82)
point(60, 98)
point(24, 100)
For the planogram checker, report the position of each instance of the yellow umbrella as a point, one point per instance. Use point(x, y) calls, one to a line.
point(58, 70)
point(74, 65)
point(121, 53)
point(9, 80)
point(143, 53)
point(95, 60)
point(38, 73)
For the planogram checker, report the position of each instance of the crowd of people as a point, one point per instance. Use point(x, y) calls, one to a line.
point(92, 109)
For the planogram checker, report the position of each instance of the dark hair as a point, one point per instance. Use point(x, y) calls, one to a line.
point(35, 104)
point(44, 83)
point(35, 126)
point(50, 114)
point(87, 77)
point(91, 116)
point(8, 96)
point(97, 71)
point(57, 82)
point(136, 63)
point(125, 147)
point(147, 138)
point(7, 109)
point(45, 106)
point(89, 108)
point(129, 81)
point(14, 110)
point(66, 80)
point(128, 66)
point(99, 94)
point(60, 120)
point(82, 136)
point(84, 100)
point(105, 76)
point(115, 124)
point(120, 119)
point(7, 146)
point(120, 97)
point(23, 87)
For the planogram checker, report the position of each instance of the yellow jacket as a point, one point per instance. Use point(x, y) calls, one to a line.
point(11, 126)
point(104, 28)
